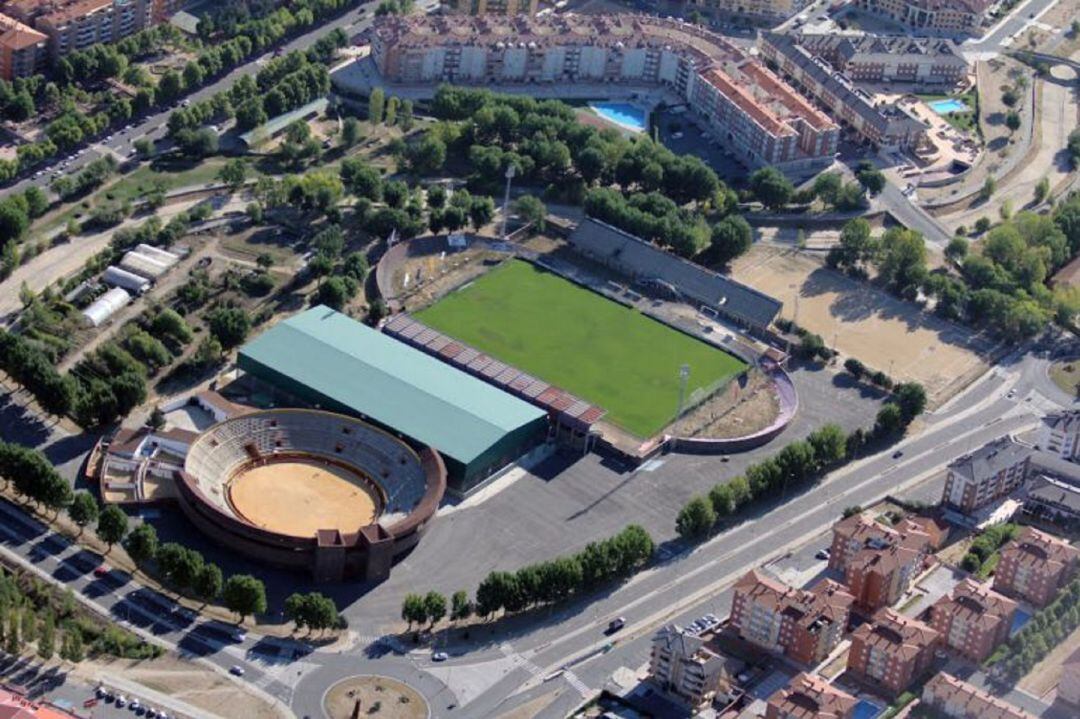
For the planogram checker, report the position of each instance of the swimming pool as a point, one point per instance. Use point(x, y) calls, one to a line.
point(1019, 620)
point(623, 114)
point(866, 710)
point(948, 106)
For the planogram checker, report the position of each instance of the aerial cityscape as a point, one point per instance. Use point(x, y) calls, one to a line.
point(500, 359)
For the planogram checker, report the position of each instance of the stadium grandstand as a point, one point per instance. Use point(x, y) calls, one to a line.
point(650, 265)
point(324, 359)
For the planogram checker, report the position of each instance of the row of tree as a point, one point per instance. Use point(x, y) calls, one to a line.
point(1044, 631)
point(797, 463)
point(543, 583)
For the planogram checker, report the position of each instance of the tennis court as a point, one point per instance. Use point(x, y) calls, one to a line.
point(576, 339)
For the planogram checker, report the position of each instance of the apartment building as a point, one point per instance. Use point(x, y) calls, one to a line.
point(973, 620)
point(946, 17)
point(891, 651)
point(682, 664)
point(876, 59)
point(73, 25)
point(987, 474)
point(809, 696)
point(22, 49)
point(957, 699)
point(884, 125)
point(1034, 566)
point(764, 9)
point(804, 625)
point(754, 113)
point(880, 562)
point(1059, 434)
point(496, 7)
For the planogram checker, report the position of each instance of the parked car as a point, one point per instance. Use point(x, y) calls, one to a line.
point(616, 624)
point(898, 454)
point(439, 656)
point(236, 670)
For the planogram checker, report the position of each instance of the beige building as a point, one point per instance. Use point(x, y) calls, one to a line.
point(496, 7)
point(684, 666)
point(948, 17)
point(959, 700)
point(986, 475)
point(73, 25)
point(745, 106)
point(878, 59)
point(767, 9)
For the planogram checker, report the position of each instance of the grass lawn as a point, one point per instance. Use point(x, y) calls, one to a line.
point(1066, 375)
point(576, 339)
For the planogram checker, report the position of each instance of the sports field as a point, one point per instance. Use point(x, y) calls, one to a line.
point(605, 353)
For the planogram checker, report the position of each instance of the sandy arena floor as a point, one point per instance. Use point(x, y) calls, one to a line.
point(880, 330)
point(300, 497)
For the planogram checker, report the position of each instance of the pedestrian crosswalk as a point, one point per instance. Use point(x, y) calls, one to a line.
point(525, 663)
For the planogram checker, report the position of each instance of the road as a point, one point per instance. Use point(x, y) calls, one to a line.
point(154, 127)
point(912, 216)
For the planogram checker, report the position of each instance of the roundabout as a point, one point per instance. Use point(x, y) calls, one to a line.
point(373, 694)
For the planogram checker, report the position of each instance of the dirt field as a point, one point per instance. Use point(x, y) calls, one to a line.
point(394, 699)
point(299, 498)
point(1066, 375)
point(883, 332)
point(186, 682)
point(1043, 679)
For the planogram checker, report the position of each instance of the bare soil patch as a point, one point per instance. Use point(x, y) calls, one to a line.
point(863, 322)
point(1066, 375)
point(395, 699)
point(747, 405)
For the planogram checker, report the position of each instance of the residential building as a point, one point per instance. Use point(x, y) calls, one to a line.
point(495, 7)
point(754, 113)
point(764, 9)
point(987, 474)
point(891, 651)
point(879, 562)
point(959, 700)
point(809, 696)
point(1034, 566)
point(684, 666)
point(17, 706)
point(1051, 499)
point(1068, 689)
point(73, 25)
point(948, 17)
point(890, 59)
point(973, 620)
point(805, 625)
point(1059, 434)
point(885, 125)
point(22, 49)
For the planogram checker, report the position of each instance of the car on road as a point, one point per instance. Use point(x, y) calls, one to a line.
point(236, 670)
point(615, 625)
point(822, 554)
point(898, 454)
point(439, 656)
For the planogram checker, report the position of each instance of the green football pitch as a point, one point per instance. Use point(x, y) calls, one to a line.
point(576, 339)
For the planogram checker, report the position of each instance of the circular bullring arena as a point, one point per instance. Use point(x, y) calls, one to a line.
point(312, 490)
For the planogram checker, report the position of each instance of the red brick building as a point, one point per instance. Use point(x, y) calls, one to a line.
point(986, 475)
point(880, 562)
point(959, 700)
point(973, 620)
point(891, 651)
point(808, 696)
point(1034, 566)
point(802, 624)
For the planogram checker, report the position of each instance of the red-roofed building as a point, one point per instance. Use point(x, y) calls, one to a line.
point(809, 696)
point(1034, 566)
point(891, 651)
point(22, 49)
point(973, 620)
point(16, 706)
point(880, 562)
point(959, 700)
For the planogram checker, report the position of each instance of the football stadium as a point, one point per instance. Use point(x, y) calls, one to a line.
point(609, 354)
point(311, 490)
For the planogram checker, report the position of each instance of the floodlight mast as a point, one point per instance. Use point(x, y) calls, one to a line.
point(510, 172)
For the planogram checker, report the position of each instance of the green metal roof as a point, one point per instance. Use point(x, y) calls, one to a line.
point(390, 382)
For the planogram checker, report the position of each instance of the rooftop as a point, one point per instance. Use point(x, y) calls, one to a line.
point(809, 696)
point(977, 603)
point(15, 35)
point(827, 600)
point(896, 634)
point(1035, 548)
point(398, 386)
point(970, 701)
point(991, 458)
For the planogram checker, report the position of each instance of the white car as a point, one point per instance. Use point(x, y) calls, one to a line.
point(121, 701)
point(135, 705)
point(439, 656)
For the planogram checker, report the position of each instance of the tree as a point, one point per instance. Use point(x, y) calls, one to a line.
point(889, 420)
point(987, 191)
point(208, 582)
point(434, 607)
point(829, 443)
point(36, 201)
point(83, 510)
point(112, 525)
point(827, 187)
point(771, 187)
point(229, 325)
point(460, 606)
point(730, 238)
point(376, 106)
point(532, 211)
point(696, 519)
point(911, 398)
point(856, 368)
point(350, 132)
point(47, 640)
point(336, 292)
point(1042, 190)
point(871, 178)
point(13, 221)
point(1012, 120)
point(481, 211)
point(144, 147)
point(245, 595)
point(142, 543)
point(957, 249)
point(233, 173)
point(413, 609)
point(391, 112)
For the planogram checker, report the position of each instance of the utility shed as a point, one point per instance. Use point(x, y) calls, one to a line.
point(326, 359)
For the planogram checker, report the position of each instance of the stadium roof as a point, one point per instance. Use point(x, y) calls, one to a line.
point(390, 382)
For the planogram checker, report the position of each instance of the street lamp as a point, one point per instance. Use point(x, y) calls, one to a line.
point(684, 374)
point(510, 171)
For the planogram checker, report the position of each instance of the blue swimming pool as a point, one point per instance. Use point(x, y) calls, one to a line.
point(1019, 620)
point(866, 710)
point(623, 114)
point(948, 106)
